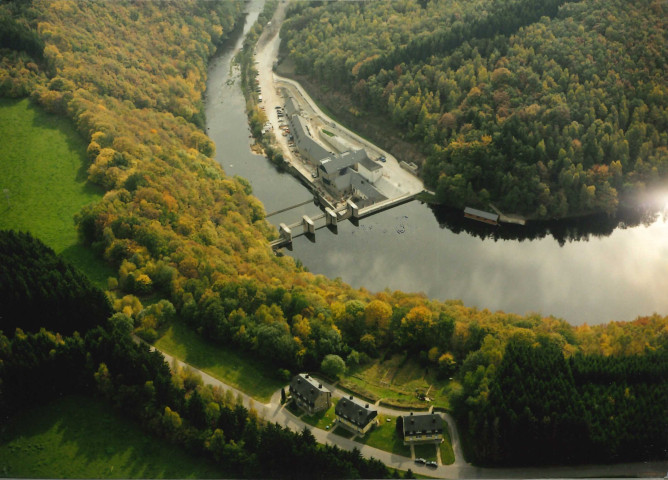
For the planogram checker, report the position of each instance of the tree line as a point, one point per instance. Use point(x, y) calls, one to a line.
point(540, 408)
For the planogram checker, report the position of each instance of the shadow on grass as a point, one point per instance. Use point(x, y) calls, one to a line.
point(342, 432)
point(85, 260)
point(78, 437)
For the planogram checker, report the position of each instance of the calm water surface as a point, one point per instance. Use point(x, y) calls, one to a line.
point(590, 270)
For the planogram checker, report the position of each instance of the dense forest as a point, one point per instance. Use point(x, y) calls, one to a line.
point(537, 407)
point(41, 290)
point(548, 109)
point(131, 77)
point(106, 362)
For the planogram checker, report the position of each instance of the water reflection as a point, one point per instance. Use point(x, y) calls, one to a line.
point(592, 269)
point(563, 231)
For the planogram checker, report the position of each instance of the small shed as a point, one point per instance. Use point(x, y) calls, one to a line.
point(481, 216)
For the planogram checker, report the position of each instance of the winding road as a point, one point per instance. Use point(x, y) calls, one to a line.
point(275, 412)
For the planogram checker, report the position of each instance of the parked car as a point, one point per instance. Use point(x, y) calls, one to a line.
point(421, 461)
point(432, 464)
point(382, 159)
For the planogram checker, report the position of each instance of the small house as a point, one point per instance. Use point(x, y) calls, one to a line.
point(421, 428)
point(309, 394)
point(355, 415)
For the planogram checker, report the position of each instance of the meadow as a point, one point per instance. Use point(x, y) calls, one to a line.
point(397, 380)
point(80, 437)
point(237, 370)
point(43, 182)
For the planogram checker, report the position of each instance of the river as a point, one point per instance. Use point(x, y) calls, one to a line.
point(592, 270)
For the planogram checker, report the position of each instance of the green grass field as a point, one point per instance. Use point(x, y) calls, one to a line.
point(324, 419)
point(79, 437)
point(241, 372)
point(447, 453)
point(385, 437)
point(426, 451)
point(43, 182)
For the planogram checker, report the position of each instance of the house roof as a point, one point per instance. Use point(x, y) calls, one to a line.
point(355, 411)
point(335, 163)
point(356, 155)
point(422, 423)
point(307, 387)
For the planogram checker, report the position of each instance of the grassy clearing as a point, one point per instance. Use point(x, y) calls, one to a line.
point(385, 437)
point(78, 437)
point(43, 182)
point(396, 380)
point(243, 373)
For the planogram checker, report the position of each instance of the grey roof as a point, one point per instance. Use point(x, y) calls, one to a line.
point(422, 423)
point(305, 143)
point(479, 213)
point(356, 155)
point(307, 387)
point(370, 164)
point(355, 411)
point(291, 106)
point(335, 163)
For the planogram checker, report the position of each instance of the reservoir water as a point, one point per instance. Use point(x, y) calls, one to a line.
point(592, 270)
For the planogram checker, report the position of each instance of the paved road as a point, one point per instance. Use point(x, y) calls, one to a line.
point(275, 412)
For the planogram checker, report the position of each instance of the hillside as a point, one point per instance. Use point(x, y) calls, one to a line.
point(548, 109)
point(175, 227)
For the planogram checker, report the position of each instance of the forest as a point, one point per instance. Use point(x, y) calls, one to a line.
point(39, 366)
point(189, 243)
point(540, 408)
point(41, 290)
point(548, 109)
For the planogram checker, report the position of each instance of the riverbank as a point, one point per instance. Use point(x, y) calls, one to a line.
point(435, 250)
point(267, 100)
